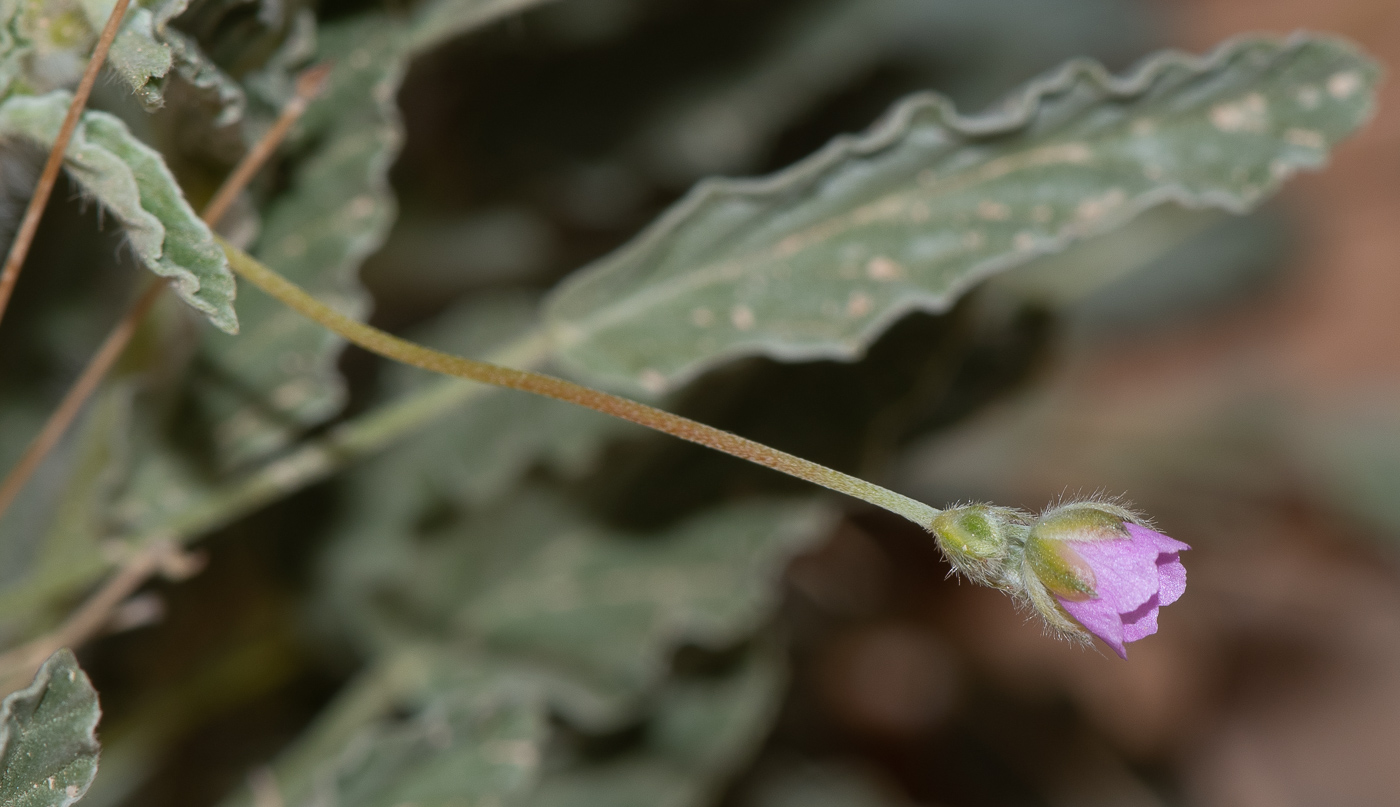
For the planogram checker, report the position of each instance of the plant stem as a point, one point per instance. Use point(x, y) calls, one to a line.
point(29, 225)
point(384, 344)
point(309, 84)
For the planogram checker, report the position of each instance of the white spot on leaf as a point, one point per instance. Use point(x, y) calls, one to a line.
point(1248, 114)
point(652, 381)
point(360, 207)
point(1343, 85)
point(1306, 138)
point(993, 211)
point(882, 268)
point(742, 317)
point(859, 304)
point(1096, 207)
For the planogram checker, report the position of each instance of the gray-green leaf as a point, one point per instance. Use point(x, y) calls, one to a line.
point(48, 751)
point(699, 732)
point(131, 181)
point(536, 580)
point(817, 260)
point(457, 751)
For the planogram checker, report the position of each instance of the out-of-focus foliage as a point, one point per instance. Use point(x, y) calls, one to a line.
point(48, 751)
point(524, 603)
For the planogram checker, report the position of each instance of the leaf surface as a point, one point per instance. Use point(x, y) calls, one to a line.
point(817, 260)
point(48, 751)
point(130, 180)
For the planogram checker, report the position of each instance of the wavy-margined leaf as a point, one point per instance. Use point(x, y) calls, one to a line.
point(130, 180)
point(815, 261)
point(48, 751)
point(281, 377)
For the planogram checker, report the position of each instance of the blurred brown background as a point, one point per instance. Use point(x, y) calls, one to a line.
point(1251, 433)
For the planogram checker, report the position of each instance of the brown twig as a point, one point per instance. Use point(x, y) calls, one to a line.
point(29, 225)
point(89, 619)
point(77, 395)
point(17, 665)
point(308, 85)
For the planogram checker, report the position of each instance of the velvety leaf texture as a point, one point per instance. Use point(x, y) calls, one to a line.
point(130, 180)
point(817, 260)
point(48, 751)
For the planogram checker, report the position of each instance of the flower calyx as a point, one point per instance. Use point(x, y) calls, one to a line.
point(983, 542)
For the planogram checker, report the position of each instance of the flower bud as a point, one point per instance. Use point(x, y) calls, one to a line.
point(982, 542)
point(1093, 567)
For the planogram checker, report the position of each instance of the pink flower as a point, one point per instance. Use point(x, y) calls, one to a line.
point(1132, 578)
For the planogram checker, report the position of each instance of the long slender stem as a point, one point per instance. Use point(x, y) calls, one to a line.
point(29, 225)
point(309, 84)
point(377, 341)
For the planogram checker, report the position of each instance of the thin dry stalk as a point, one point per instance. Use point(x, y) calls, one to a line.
point(29, 225)
point(309, 85)
point(19, 664)
point(77, 395)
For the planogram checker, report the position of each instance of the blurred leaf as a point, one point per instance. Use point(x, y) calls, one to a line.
point(817, 260)
point(263, 390)
point(609, 606)
point(130, 181)
point(41, 45)
point(192, 65)
point(826, 785)
point(536, 581)
point(441, 20)
point(48, 751)
point(457, 751)
point(700, 731)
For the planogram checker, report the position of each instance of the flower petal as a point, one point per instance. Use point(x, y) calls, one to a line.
point(1142, 622)
point(1171, 578)
point(1100, 618)
point(1125, 570)
point(1162, 542)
